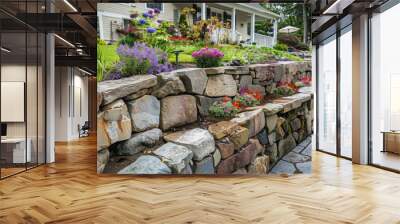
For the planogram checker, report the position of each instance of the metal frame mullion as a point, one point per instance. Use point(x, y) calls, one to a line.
point(338, 94)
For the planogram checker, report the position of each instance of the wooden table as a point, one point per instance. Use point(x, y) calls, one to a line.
point(391, 141)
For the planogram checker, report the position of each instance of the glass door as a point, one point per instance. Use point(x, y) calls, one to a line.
point(327, 93)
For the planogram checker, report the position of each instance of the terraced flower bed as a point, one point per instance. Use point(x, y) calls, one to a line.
point(166, 124)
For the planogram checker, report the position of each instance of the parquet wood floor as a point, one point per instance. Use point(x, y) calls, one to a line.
point(70, 191)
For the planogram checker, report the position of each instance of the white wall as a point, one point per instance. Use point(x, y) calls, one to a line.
point(70, 83)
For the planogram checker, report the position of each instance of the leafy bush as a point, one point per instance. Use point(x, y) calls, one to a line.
point(208, 57)
point(293, 41)
point(281, 47)
point(141, 59)
point(285, 88)
point(147, 28)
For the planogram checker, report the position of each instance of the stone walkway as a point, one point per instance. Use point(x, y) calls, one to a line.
point(297, 161)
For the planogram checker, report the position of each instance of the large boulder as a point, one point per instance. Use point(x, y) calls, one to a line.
point(138, 142)
point(145, 113)
point(146, 164)
point(204, 103)
point(177, 157)
point(117, 89)
point(177, 111)
point(169, 84)
point(252, 120)
point(222, 129)
point(198, 140)
point(194, 79)
point(221, 85)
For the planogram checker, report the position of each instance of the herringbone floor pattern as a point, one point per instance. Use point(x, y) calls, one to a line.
point(70, 191)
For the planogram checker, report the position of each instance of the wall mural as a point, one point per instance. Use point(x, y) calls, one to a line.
point(183, 90)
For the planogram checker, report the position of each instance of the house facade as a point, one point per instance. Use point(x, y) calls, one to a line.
point(241, 17)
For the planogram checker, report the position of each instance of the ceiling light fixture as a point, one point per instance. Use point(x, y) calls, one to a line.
point(70, 5)
point(64, 40)
point(86, 72)
point(5, 50)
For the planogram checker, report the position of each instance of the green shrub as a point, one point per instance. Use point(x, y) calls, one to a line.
point(281, 47)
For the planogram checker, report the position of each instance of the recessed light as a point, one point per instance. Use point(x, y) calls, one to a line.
point(64, 40)
point(5, 50)
point(70, 5)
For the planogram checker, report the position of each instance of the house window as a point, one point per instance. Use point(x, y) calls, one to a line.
point(153, 5)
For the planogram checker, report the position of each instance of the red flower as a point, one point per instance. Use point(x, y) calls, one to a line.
point(226, 99)
point(236, 104)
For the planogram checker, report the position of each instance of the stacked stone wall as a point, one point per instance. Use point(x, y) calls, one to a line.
point(160, 124)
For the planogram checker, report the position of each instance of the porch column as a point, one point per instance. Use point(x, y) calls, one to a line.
point(233, 25)
point(203, 11)
point(253, 27)
point(275, 32)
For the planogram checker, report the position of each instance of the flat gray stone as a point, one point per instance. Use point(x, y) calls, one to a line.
point(146, 165)
point(298, 149)
point(283, 167)
point(112, 90)
point(169, 84)
point(237, 70)
point(307, 150)
point(177, 157)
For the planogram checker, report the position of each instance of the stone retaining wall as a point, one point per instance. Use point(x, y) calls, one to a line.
point(158, 124)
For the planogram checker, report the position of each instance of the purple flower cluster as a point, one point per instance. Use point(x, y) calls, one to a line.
point(142, 54)
point(208, 53)
point(151, 30)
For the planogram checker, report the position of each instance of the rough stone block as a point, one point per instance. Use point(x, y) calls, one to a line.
point(138, 142)
point(221, 85)
point(194, 79)
point(227, 166)
point(226, 149)
point(145, 113)
point(259, 166)
point(253, 120)
point(177, 157)
point(204, 103)
point(245, 156)
point(177, 111)
point(198, 140)
point(239, 137)
point(205, 166)
point(222, 129)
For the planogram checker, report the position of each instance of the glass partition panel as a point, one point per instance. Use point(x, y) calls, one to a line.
point(327, 96)
point(385, 89)
point(346, 93)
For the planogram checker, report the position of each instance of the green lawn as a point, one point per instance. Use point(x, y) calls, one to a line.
point(245, 54)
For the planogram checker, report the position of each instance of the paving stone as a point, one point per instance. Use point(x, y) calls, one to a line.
point(296, 158)
point(307, 150)
point(283, 167)
point(304, 167)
